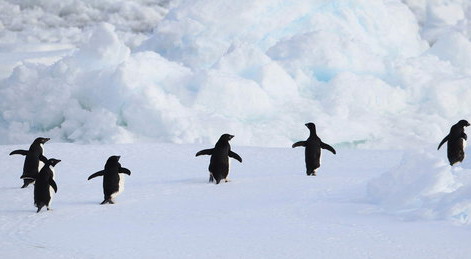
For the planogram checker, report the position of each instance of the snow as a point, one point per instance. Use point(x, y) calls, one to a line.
point(270, 208)
point(155, 81)
point(185, 71)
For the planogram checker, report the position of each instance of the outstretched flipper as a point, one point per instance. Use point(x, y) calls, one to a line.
point(464, 136)
point(299, 144)
point(124, 170)
point(205, 152)
point(53, 184)
point(443, 142)
point(328, 147)
point(99, 173)
point(235, 156)
point(19, 152)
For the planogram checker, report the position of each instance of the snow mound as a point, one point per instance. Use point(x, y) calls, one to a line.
point(259, 70)
point(424, 186)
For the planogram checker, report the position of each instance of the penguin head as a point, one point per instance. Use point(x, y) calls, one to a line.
point(113, 159)
point(41, 140)
point(226, 137)
point(463, 123)
point(311, 126)
point(53, 161)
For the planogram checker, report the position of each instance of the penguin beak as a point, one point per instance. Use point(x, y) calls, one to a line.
point(118, 157)
point(46, 140)
point(231, 136)
point(58, 160)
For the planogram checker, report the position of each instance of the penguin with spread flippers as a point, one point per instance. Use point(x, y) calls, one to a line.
point(456, 142)
point(313, 147)
point(34, 160)
point(45, 186)
point(113, 180)
point(219, 162)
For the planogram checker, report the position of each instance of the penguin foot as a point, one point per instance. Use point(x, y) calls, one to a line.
point(109, 201)
point(227, 180)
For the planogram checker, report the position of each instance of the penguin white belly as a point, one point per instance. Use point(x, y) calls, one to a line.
point(120, 186)
point(463, 143)
point(51, 190)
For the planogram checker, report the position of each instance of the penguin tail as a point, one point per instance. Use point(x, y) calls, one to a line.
point(107, 201)
point(40, 206)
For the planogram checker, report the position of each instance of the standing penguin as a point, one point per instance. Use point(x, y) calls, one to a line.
point(113, 182)
point(313, 149)
point(219, 163)
point(456, 142)
point(45, 186)
point(34, 160)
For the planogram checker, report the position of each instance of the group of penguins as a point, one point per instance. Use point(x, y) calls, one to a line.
point(39, 170)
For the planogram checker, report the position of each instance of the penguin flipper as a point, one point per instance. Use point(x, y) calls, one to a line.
point(328, 147)
point(205, 152)
point(99, 173)
point(299, 144)
point(19, 152)
point(43, 159)
point(124, 170)
point(464, 136)
point(443, 142)
point(235, 156)
point(53, 184)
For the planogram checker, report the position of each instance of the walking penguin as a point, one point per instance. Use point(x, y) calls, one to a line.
point(219, 163)
point(113, 181)
point(313, 149)
point(456, 142)
point(34, 160)
point(45, 186)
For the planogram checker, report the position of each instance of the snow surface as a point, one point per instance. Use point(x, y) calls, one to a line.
point(270, 209)
point(155, 81)
point(371, 74)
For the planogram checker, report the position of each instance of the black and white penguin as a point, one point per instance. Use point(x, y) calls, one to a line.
point(45, 186)
point(219, 164)
point(456, 142)
point(113, 181)
point(313, 149)
point(34, 160)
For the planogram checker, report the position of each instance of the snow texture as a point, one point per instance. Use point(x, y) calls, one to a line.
point(367, 73)
point(270, 209)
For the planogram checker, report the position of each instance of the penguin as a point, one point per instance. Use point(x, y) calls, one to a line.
point(34, 160)
point(219, 163)
point(313, 149)
point(456, 142)
point(45, 186)
point(113, 182)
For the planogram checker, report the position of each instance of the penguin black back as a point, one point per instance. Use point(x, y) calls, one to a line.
point(45, 185)
point(456, 142)
point(313, 146)
point(113, 182)
point(34, 160)
point(219, 162)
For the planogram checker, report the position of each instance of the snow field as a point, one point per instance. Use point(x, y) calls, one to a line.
point(270, 208)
